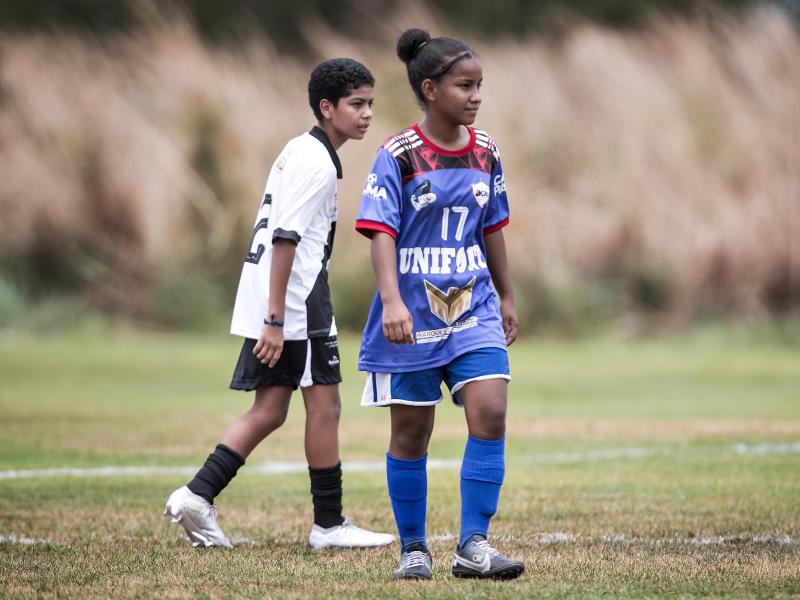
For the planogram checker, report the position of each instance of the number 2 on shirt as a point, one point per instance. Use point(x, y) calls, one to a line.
point(253, 256)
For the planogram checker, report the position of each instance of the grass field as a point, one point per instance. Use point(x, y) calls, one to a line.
point(635, 469)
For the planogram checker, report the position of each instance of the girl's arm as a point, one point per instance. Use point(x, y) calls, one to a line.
point(398, 327)
point(497, 260)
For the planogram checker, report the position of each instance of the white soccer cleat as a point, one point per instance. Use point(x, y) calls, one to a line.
point(198, 517)
point(346, 535)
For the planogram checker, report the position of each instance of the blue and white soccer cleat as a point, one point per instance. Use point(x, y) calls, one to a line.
point(346, 535)
point(198, 517)
point(478, 559)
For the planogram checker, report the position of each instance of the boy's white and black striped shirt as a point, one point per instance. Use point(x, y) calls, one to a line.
point(299, 204)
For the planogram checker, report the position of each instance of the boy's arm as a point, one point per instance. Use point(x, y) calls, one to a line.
point(269, 346)
point(398, 326)
point(497, 260)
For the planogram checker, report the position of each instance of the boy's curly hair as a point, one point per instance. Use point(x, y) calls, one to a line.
point(335, 79)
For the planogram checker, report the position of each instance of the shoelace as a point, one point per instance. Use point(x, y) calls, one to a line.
point(416, 558)
point(484, 545)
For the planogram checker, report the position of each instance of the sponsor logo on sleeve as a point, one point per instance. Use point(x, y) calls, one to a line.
point(499, 184)
point(373, 189)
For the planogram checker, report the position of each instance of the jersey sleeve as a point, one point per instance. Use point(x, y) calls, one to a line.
point(497, 211)
point(382, 197)
point(302, 197)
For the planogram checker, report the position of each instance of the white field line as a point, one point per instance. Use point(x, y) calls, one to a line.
point(767, 448)
point(20, 539)
point(783, 539)
point(280, 468)
point(591, 456)
point(572, 538)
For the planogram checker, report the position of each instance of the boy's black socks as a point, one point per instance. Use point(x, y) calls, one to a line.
point(220, 467)
point(326, 494)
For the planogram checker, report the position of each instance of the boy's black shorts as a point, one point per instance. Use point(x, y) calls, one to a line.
point(302, 363)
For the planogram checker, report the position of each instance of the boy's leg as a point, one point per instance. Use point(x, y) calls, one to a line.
point(268, 413)
point(193, 504)
point(269, 410)
point(323, 408)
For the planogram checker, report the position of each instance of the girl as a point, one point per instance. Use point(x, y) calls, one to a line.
point(434, 206)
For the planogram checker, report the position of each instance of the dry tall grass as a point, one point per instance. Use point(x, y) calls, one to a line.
point(662, 167)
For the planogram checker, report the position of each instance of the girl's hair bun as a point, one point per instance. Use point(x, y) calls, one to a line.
point(410, 43)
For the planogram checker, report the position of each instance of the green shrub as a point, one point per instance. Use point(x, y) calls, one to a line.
point(184, 297)
point(12, 304)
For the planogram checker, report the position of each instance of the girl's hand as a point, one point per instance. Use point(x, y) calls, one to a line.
point(510, 323)
point(269, 346)
point(398, 327)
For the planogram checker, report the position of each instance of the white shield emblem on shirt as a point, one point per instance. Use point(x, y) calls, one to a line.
point(481, 192)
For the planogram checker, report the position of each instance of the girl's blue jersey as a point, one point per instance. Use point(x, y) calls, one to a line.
point(438, 205)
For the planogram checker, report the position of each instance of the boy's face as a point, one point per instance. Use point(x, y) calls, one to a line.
point(350, 118)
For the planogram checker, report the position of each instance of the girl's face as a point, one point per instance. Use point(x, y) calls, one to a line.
point(456, 95)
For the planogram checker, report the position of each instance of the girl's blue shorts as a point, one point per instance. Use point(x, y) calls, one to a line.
point(423, 387)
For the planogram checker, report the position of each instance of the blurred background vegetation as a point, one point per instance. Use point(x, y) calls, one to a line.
point(650, 146)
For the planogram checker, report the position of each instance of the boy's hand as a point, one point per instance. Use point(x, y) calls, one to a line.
point(398, 327)
point(510, 323)
point(269, 346)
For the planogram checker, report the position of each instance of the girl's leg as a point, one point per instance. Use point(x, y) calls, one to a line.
point(267, 414)
point(406, 472)
point(483, 467)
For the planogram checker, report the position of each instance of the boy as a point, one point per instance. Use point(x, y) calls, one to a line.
point(283, 310)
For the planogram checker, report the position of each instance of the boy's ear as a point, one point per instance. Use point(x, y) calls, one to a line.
point(326, 108)
point(428, 90)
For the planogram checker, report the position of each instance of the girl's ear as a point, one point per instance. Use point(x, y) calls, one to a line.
point(326, 108)
point(428, 90)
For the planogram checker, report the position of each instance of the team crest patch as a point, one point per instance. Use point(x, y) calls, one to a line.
point(481, 192)
point(422, 195)
point(451, 305)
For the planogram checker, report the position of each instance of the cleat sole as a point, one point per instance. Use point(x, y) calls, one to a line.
point(511, 572)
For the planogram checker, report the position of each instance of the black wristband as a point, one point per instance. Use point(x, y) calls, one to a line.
point(273, 321)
